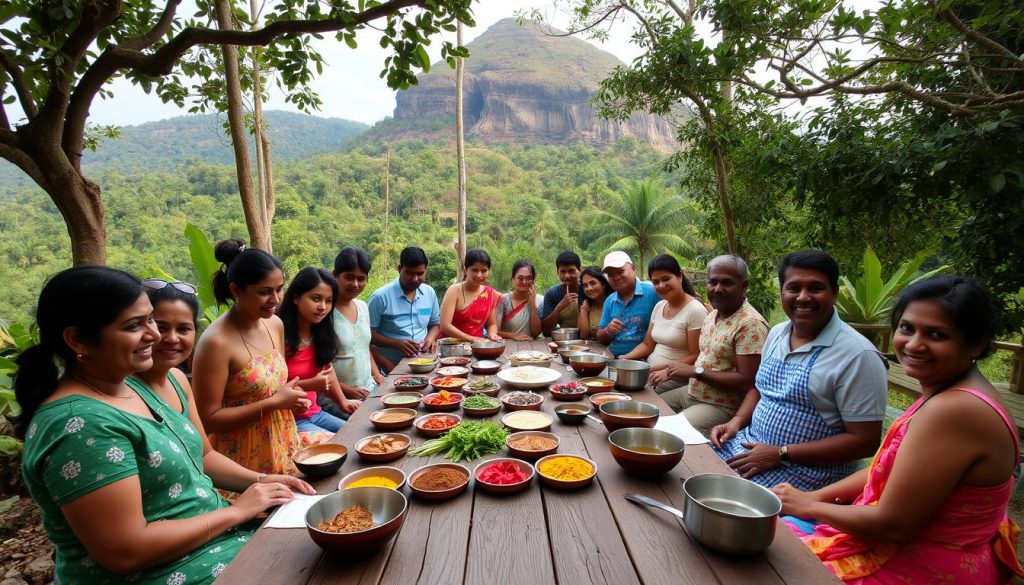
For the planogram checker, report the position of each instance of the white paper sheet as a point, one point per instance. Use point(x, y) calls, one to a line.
point(680, 427)
point(292, 514)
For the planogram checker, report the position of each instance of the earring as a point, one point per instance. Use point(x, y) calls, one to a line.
point(80, 357)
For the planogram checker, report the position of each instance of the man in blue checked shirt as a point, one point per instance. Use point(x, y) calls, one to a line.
point(405, 318)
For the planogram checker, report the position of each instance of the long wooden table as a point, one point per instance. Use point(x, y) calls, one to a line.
point(534, 537)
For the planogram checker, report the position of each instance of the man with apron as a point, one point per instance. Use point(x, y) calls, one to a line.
point(819, 397)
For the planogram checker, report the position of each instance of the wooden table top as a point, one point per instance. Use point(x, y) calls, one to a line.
point(537, 536)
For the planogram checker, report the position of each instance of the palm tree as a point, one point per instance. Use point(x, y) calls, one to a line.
point(646, 220)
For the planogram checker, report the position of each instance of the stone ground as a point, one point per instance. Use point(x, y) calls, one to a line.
point(24, 550)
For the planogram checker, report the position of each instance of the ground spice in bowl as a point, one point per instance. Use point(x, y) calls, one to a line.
point(532, 443)
point(373, 481)
point(565, 468)
point(351, 519)
point(440, 478)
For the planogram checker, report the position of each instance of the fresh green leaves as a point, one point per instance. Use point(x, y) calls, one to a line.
point(468, 440)
point(871, 300)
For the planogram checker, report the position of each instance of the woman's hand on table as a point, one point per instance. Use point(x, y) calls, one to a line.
point(294, 483)
point(259, 496)
point(357, 392)
point(795, 502)
point(758, 459)
point(519, 337)
point(494, 337)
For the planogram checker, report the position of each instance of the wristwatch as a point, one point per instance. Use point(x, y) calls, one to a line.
point(784, 453)
point(698, 373)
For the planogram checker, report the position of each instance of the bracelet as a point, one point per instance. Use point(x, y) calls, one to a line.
point(209, 531)
point(259, 477)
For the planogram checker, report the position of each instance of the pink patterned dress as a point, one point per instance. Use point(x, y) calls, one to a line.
point(968, 540)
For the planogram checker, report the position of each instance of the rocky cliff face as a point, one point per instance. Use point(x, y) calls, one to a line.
point(523, 85)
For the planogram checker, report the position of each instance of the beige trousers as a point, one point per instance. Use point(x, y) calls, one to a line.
point(701, 415)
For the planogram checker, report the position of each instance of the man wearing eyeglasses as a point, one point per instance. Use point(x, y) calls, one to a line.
point(405, 317)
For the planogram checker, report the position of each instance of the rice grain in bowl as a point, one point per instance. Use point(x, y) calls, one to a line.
point(527, 420)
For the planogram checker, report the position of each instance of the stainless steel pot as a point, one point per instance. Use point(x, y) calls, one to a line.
point(629, 374)
point(725, 512)
point(451, 346)
point(565, 334)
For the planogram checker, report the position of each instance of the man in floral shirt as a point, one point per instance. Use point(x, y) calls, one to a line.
point(730, 350)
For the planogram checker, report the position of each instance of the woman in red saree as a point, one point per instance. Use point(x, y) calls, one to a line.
point(468, 307)
point(931, 507)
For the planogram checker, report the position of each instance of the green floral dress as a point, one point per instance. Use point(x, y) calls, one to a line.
point(76, 445)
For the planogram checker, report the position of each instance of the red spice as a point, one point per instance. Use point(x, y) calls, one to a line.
point(502, 473)
point(437, 423)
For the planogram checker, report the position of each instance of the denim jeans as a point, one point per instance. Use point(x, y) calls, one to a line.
point(322, 421)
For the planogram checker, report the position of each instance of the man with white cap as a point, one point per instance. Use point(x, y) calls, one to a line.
point(627, 311)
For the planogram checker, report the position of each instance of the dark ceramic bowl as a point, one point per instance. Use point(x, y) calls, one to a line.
point(387, 506)
point(622, 414)
point(317, 470)
point(646, 452)
point(482, 411)
point(570, 418)
point(487, 350)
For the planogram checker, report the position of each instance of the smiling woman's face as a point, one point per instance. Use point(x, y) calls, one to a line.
point(176, 324)
point(930, 346)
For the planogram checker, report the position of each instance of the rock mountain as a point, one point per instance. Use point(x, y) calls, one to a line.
point(523, 85)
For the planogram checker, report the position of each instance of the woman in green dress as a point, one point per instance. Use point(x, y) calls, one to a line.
point(117, 473)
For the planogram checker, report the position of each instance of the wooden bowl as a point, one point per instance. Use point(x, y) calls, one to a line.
point(411, 387)
point(566, 484)
point(317, 470)
point(390, 455)
point(455, 360)
point(482, 411)
point(439, 494)
point(389, 508)
point(394, 400)
point(606, 397)
point(453, 418)
point(511, 407)
point(511, 421)
point(393, 473)
point(530, 453)
point(487, 350)
point(449, 383)
point(409, 413)
point(587, 365)
point(496, 488)
point(622, 414)
point(646, 452)
point(449, 407)
point(570, 418)
point(596, 384)
point(564, 391)
point(485, 367)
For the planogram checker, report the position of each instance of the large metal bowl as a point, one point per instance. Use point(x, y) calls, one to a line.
point(588, 365)
point(630, 375)
point(565, 351)
point(487, 350)
point(730, 514)
point(387, 506)
point(621, 414)
point(565, 334)
point(646, 452)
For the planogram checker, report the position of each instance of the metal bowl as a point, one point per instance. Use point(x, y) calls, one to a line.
point(487, 350)
point(527, 453)
point(388, 507)
point(422, 368)
point(393, 473)
point(409, 413)
point(390, 455)
point(730, 514)
point(605, 397)
point(565, 334)
point(588, 365)
point(646, 452)
point(623, 414)
point(566, 415)
point(441, 494)
point(630, 375)
point(485, 367)
point(565, 343)
point(453, 418)
point(316, 470)
point(566, 484)
point(452, 346)
point(566, 351)
point(496, 488)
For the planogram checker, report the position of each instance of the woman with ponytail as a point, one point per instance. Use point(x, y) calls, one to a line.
point(239, 374)
point(118, 474)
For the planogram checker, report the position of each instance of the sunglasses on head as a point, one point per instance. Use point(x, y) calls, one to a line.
point(159, 283)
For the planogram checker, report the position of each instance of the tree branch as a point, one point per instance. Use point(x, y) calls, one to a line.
point(10, 149)
point(20, 85)
point(977, 37)
point(158, 30)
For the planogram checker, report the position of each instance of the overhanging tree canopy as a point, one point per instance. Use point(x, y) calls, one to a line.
point(57, 56)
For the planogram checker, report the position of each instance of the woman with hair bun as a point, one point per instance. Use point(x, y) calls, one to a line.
point(118, 474)
point(239, 373)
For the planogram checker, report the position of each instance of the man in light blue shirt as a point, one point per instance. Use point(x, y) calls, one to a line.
point(627, 311)
point(405, 318)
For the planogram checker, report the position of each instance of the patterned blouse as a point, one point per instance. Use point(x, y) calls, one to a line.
point(741, 333)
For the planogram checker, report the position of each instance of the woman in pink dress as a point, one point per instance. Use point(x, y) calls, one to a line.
point(931, 507)
point(468, 307)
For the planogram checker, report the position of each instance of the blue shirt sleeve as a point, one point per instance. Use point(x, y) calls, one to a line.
point(376, 308)
point(551, 299)
point(435, 309)
point(606, 311)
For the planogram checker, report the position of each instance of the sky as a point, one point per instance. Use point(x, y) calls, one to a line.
point(350, 86)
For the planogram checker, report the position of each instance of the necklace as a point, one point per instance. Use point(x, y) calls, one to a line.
point(98, 391)
point(304, 343)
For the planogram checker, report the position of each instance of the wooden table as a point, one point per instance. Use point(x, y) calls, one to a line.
point(533, 537)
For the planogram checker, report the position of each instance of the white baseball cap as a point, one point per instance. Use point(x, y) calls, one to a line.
point(616, 259)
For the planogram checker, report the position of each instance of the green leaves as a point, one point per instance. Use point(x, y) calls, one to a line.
point(201, 251)
point(871, 300)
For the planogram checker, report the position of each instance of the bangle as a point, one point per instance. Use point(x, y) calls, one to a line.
point(259, 477)
point(209, 531)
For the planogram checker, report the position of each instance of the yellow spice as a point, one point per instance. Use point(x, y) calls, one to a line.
point(566, 468)
point(373, 481)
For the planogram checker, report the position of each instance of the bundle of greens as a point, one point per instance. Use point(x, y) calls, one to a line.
point(468, 441)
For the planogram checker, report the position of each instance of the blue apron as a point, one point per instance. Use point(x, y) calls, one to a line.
point(786, 415)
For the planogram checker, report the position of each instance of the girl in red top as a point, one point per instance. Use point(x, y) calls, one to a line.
point(311, 344)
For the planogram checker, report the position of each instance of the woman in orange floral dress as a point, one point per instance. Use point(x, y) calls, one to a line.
point(239, 377)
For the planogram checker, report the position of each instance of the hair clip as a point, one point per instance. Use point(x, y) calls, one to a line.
point(241, 248)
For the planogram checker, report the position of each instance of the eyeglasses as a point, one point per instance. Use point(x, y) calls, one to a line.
point(524, 279)
point(159, 283)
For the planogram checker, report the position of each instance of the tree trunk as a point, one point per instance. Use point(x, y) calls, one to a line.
point(722, 185)
point(264, 166)
point(386, 248)
point(460, 148)
point(259, 236)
